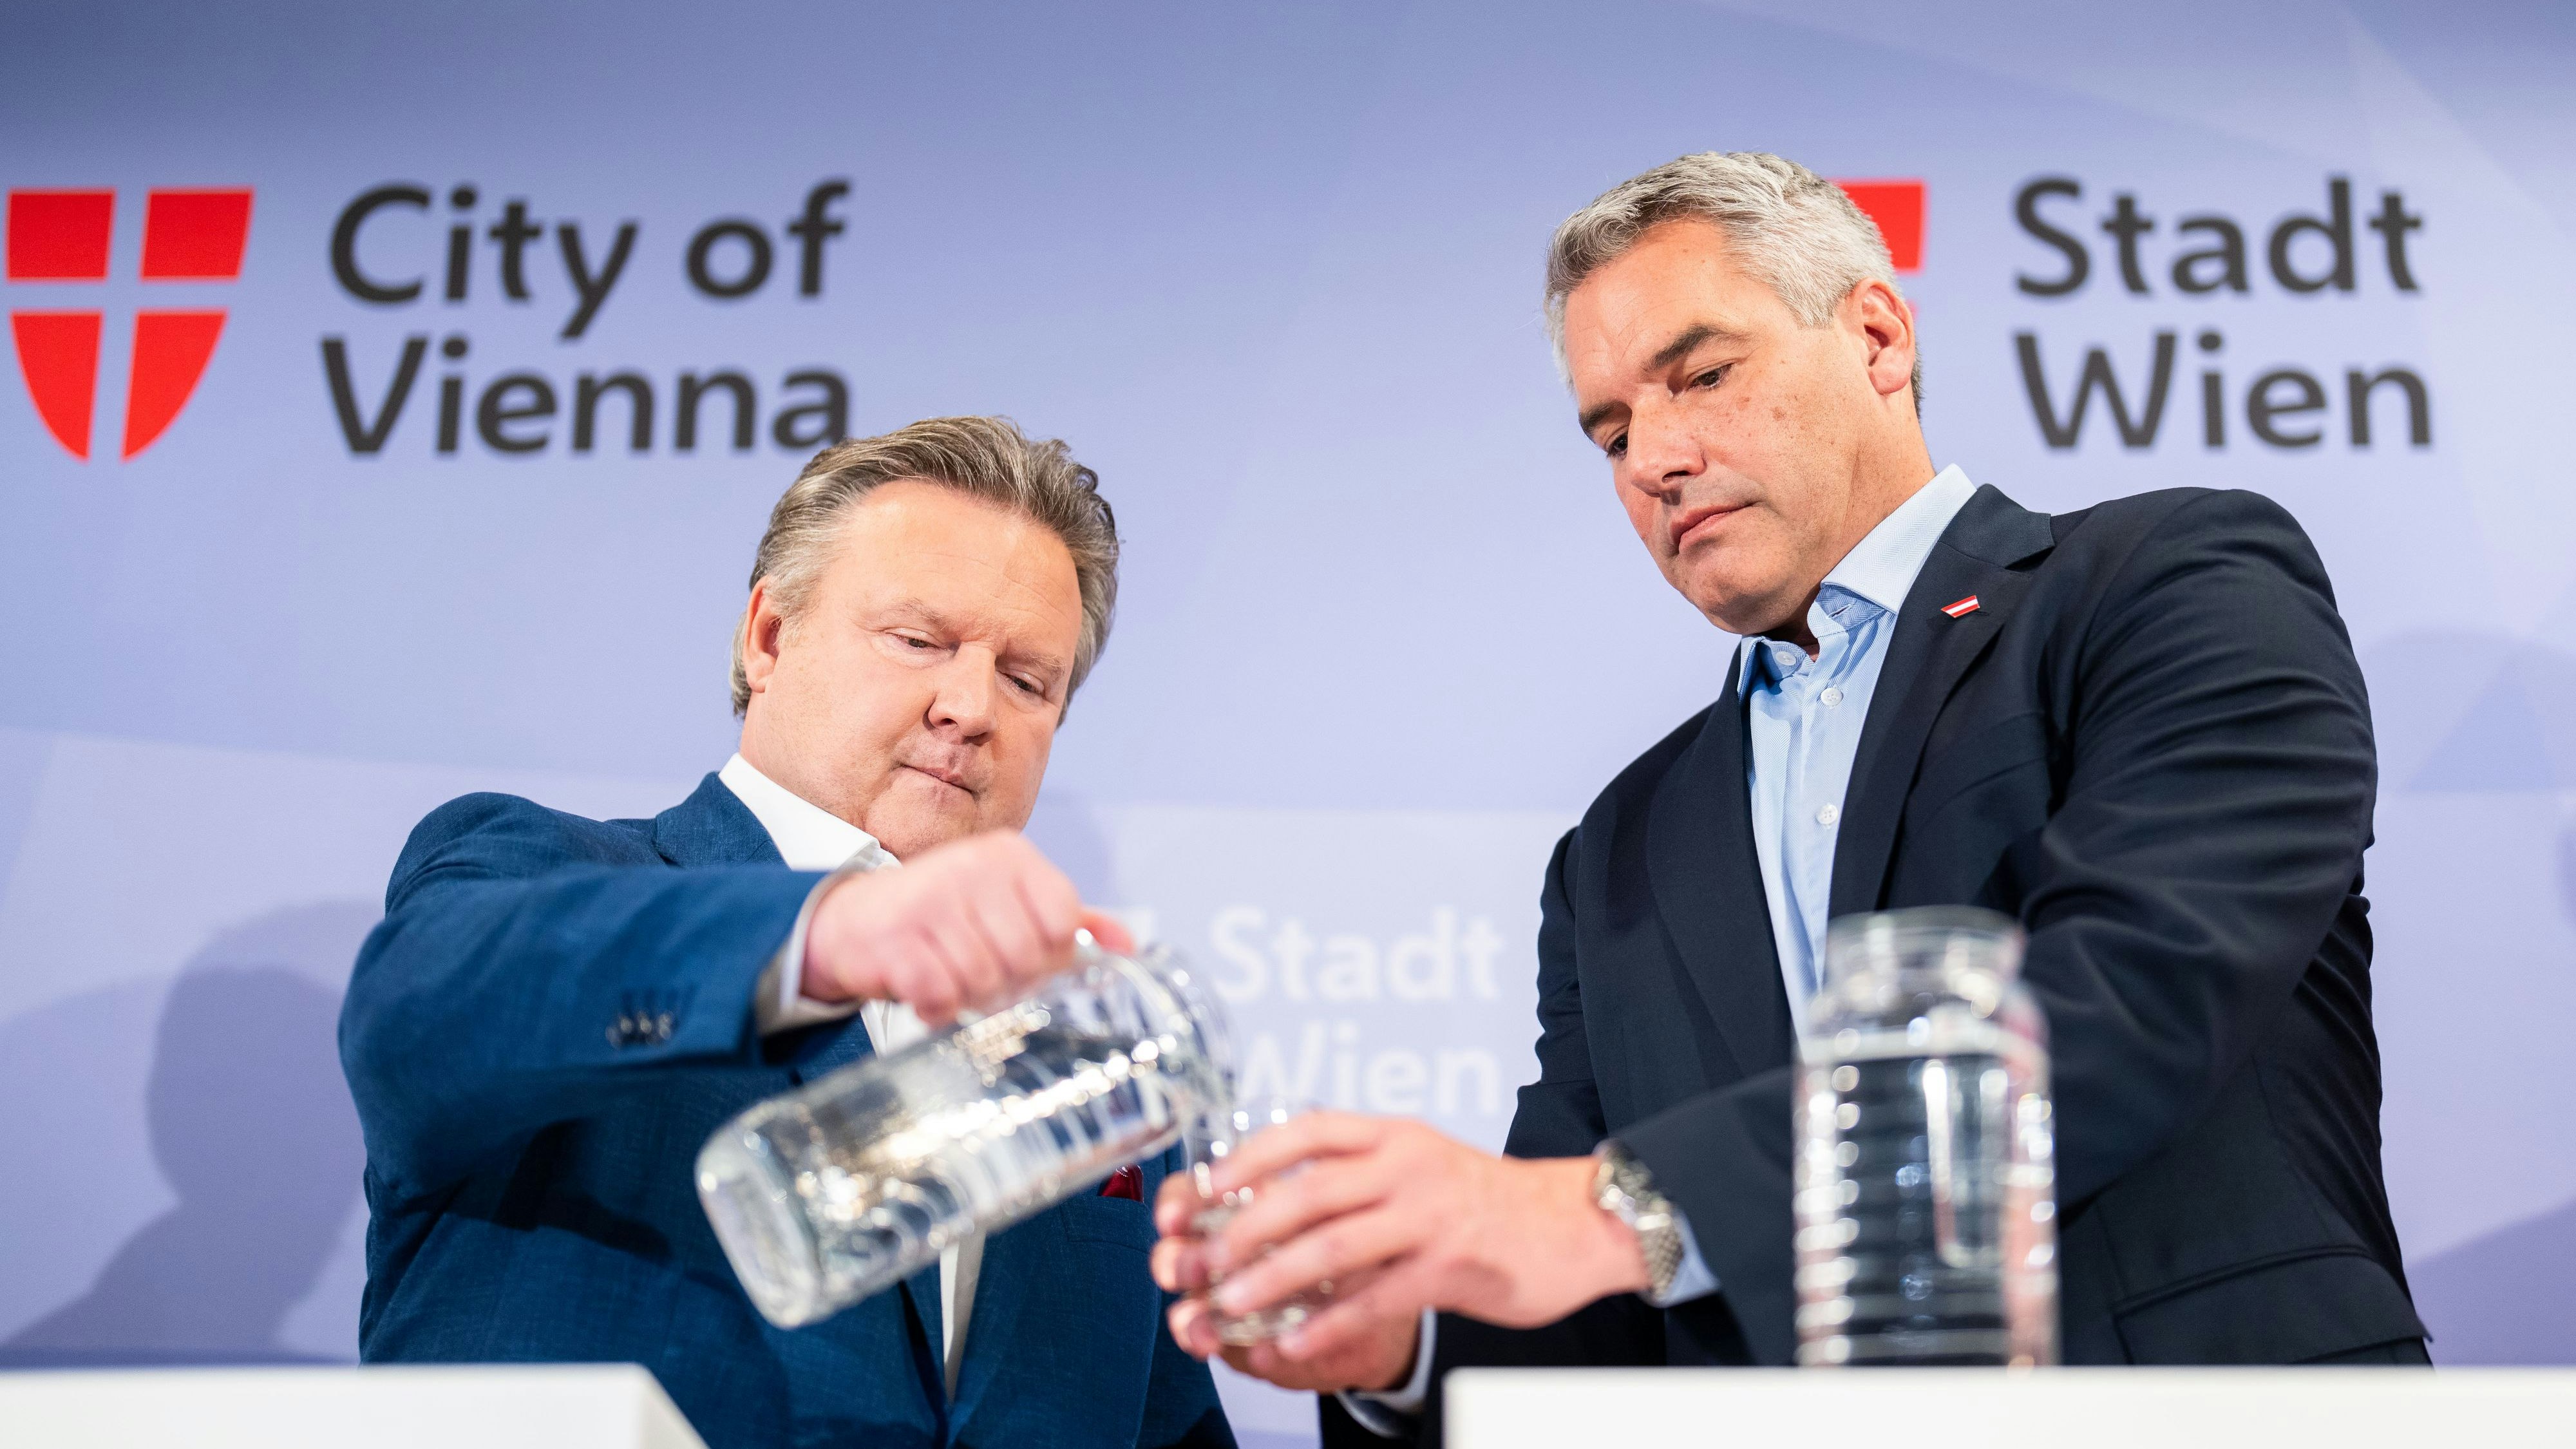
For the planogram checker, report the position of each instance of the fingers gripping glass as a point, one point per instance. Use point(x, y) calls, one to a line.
point(1263, 1324)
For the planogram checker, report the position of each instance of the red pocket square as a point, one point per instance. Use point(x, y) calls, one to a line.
point(1126, 1182)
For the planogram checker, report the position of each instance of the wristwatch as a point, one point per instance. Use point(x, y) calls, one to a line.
point(1623, 1188)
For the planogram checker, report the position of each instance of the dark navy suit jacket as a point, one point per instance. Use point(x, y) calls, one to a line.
point(553, 1016)
point(2151, 744)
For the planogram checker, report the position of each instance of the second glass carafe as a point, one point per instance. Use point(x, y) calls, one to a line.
point(1926, 1199)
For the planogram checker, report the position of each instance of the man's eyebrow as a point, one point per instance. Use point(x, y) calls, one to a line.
point(1689, 340)
point(1044, 660)
point(910, 607)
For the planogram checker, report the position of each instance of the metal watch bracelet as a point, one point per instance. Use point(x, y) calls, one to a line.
point(1623, 1188)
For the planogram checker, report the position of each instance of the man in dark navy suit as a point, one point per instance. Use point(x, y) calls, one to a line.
point(556, 1012)
point(2138, 728)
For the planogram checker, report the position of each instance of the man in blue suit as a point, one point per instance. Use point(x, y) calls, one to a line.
point(556, 1012)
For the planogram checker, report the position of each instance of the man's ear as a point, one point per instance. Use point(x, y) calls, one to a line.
point(762, 623)
point(1886, 324)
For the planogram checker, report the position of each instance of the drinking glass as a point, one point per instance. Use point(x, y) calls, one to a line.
point(1246, 1119)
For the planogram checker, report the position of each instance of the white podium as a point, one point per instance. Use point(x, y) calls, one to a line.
point(536, 1406)
point(2348, 1408)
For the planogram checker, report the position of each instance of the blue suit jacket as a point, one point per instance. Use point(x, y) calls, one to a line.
point(553, 1016)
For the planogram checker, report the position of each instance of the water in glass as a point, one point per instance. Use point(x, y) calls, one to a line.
point(1925, 1182)
point(1262, 1324)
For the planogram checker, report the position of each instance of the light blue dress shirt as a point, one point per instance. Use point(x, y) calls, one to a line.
point(1803, 717)
point(1802, 723)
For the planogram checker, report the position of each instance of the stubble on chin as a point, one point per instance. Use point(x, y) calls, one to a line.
point(1742, 584)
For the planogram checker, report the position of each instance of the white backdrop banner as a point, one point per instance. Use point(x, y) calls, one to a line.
point(396, 397)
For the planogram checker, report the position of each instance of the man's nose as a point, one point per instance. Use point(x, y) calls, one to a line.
point(1662, 455)
point(964, 701)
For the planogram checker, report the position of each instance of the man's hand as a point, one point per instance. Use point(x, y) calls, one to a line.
point(1379, 1357)
point(969, 923)
point(1398, 1218)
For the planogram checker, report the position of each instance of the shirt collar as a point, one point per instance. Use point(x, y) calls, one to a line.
point(808, 836)
point(1882, 566)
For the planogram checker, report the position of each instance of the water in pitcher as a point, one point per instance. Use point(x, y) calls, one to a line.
point(854, 1183)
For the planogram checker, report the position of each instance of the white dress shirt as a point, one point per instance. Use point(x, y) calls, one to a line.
point(810, 837)
point(1803, 719)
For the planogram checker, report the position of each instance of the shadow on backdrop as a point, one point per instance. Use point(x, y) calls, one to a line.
point(2509, 1297)
point(2504, 1298)
point(251, 1126)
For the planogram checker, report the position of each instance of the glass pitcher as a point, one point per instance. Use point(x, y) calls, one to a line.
point(857, 1181)
point(1925, 1178)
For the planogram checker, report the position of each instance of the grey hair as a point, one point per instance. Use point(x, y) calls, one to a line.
point(987, 458)
point(1796, 232)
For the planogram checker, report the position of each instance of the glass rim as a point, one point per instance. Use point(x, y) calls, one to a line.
point(1923, 938)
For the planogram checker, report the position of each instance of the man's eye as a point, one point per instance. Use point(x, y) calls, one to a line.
point(915, 643)
point(1028, 686)
point(1617, 447)
point(1713, 376)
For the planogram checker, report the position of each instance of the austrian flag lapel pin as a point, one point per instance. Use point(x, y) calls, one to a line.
point(1961, 609)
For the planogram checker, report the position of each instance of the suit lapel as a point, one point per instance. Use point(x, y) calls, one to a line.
point(1708, 887)
point(713, 827)
point(923, 1289)
point(1063, 1316)
point(1011, 1258)
point(1929, 654)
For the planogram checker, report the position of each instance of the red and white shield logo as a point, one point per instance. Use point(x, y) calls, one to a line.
point(63, 236)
